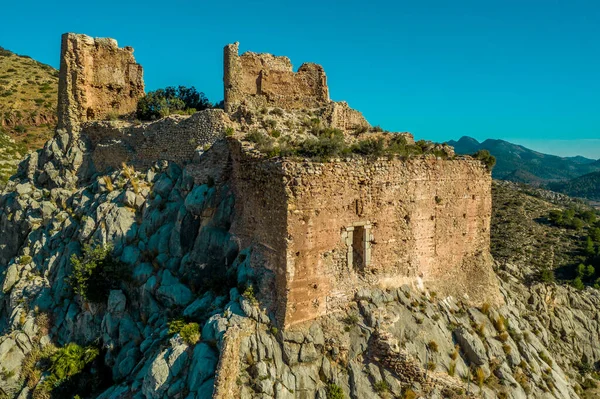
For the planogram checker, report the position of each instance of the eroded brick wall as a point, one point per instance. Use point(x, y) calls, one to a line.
point(429, 223)
point(260, 80)
point(175, 138)
point(97, 79)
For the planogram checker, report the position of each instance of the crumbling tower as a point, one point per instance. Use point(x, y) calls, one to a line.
point(97, 80)
point(260, 80)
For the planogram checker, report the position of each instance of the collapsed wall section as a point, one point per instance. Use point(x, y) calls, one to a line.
point(175, 138)
point(388, 223)
point(260, 80)
point(96, 79)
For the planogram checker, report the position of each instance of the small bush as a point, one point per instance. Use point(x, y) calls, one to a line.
point(229, 132)
point(480, 376)
point(333, 391)
point(432, 346)
point(351, 319)
point(70, 360)
point(249, 294)
point(25, 259)
point(488, 159)
point(546, 276)
point(454, 354)
point(485, 308)
point(276, 111)
point(452, 369)
point(409, 394)
point(189, 332)
point(381, 387)
point(96, 273)
point(369, 147)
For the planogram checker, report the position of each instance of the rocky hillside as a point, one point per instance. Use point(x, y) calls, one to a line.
point(520, 164)
point(586, 186)
point(28, 97)
point(127, 317)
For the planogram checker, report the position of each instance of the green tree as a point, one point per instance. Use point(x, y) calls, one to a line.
point(162, 102)
point(96, 273)
point(590, 248)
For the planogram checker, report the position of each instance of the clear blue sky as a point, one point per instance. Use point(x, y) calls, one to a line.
point(523, 70)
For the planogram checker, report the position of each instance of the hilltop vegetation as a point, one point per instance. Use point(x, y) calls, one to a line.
point(28, 97)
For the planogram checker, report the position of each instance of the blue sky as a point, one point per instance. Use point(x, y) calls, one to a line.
point(527, 71)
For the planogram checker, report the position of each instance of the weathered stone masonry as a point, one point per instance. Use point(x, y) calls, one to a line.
point(97, 78)
point(259, 80)
point(352, 224)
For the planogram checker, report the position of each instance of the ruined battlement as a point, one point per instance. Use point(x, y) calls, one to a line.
point(97, 79)
point(260, 80)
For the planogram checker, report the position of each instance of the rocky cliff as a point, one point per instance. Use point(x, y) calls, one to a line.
point(543, 342)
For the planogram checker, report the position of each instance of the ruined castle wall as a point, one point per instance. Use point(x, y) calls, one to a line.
point(261, 221)
point(427, 220)
point(175, 138)
point(260, 80)
point(97, 78)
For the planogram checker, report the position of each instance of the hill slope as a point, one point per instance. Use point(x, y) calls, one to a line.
point(28, 97)
point(521, 164)
point(586, 186)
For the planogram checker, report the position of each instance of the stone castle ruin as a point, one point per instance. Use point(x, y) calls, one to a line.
point(260, 80)
point(321, 230)
point(97, 80)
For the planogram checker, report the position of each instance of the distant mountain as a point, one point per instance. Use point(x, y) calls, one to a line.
point(586, 186)
point(520, 164)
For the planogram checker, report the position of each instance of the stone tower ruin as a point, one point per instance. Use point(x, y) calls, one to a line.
point(259, 80)
point(97, 80)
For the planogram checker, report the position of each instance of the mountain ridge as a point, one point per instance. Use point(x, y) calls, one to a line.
point(521, 164)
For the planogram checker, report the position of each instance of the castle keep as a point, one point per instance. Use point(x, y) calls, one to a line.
point(97, 79)
point(322, 229)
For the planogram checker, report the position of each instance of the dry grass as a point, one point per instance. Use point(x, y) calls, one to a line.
point(28, 97)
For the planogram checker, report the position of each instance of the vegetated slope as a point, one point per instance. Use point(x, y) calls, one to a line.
point(586, 186)
point(28, 98)
point(10, 155)
point(544, 232)
point(517, 163)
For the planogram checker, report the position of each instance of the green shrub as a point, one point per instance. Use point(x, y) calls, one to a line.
point(369, 147)
point(189, 332)
point(70, 360)
point(249, 294)
point(162, 102)
point(578, 283)
point(25, 259)
point(95, 273)
point(546, 276)
point(229, 132)
point(381, 387)
point(333, 391)
point(488, 159)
